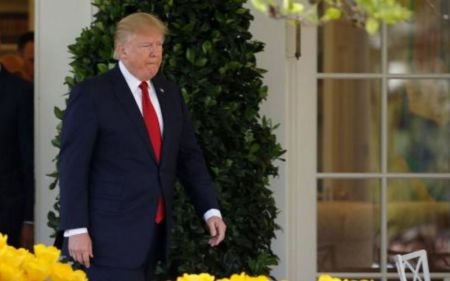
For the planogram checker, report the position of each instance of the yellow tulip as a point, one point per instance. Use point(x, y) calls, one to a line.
point(77, 275)
point(196, 277)
point(37, 269)
point(49, 254)
point(12, 256)
point(3, 240)
point(237, 277)
point(60, 272)
point(326, 277)
point(205, 277)
point(10, 273)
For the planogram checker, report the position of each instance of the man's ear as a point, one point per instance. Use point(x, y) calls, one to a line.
point(120, 51)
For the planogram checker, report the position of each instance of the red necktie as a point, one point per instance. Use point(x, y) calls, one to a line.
point(154, 132)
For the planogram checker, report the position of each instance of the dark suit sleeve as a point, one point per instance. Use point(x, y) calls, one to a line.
point(192, 170)
point(78, 138)
point(26, 136)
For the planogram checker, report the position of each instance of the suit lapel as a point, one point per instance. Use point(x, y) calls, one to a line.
point(164, 103)
point(124, 95)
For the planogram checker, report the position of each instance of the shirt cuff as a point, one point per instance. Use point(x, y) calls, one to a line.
point(75, 231)
point(212, 213)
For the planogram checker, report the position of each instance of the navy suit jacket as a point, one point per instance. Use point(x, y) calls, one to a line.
point(110, 181)
point(16, 154)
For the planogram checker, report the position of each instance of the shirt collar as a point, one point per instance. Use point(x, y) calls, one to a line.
point(132, 81)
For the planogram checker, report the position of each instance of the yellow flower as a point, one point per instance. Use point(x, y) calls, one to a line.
point(260, 278)
point(64, 272)
point(10, 273)
point(325, 277)
point(244, 277)
point(12, 256)
point(37, 269)
point(21, 265)
point(196, 277)
point(3, 240)
point(48, 254)
point(60, 271)
point(77, 275)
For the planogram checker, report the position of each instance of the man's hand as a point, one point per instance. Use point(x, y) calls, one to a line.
point(27, 236)
point(217, 230)
point(80, 248)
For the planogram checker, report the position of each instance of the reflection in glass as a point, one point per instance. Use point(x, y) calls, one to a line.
point(348, 225)
point(419, 218)
point(346, 48)
point(419, 126)
point(421, 45)
point(349, 125)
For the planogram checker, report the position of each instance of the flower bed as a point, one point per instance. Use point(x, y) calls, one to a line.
point(43, 265)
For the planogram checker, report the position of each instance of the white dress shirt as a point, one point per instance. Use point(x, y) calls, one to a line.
point(133, 83)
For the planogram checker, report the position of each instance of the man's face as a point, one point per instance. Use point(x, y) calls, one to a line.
point(28, 59)
point(142, 53)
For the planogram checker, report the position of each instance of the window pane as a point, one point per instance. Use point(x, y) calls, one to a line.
point(346, 48)
point(348, 225)
point(422, 44)
point(419, 126)
point(419, 218)
point(349, 125)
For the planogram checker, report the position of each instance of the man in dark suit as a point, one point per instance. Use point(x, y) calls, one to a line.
point(126, 136)
point(16, 159)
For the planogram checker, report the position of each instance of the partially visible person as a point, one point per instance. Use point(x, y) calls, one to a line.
point(16, 159)
point(13, 63)
point(25, 48)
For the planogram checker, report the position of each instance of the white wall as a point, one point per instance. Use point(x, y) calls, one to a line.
point(58, 22)
point(273, 59)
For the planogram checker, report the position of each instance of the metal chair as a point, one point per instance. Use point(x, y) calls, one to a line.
point(416, 262)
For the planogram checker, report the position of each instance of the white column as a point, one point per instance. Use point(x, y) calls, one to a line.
point(58, 23)
point(302, 159)
point(273, 58)
point(292, 103)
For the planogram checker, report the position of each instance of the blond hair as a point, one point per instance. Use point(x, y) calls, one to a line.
point(136, 23)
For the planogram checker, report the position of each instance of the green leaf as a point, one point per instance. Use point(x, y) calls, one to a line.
point(59, 113)
point(53, 175)
point(102, 68)
point(332, 14)
point(291, 7)
point(260, 5)
point(190, 55)
point(200, 62)
point(206, 47)
point(241, 11)
point(372, 25)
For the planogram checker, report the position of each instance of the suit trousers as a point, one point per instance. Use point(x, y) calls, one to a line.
point(143, 273)
point(11, 217)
